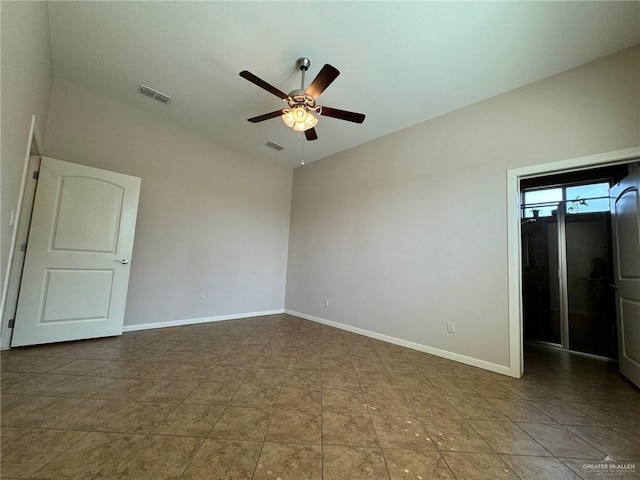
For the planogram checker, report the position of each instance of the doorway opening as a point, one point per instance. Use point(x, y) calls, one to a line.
point(514, 244)
point(567, 261)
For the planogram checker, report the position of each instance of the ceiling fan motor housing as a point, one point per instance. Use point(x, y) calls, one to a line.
point(303, 64)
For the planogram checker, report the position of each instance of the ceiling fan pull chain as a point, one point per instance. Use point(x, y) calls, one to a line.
point(302, 140)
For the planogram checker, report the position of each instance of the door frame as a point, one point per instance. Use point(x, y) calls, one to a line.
point(514, 246)
point(33, 147)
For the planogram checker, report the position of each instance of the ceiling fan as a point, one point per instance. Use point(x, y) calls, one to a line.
point(302, 102)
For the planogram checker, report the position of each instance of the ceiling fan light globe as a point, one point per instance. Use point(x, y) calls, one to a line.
point(300, 114)
point(299, 119)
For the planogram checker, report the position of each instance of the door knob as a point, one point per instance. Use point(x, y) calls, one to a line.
point(614, 286)
point(124, 261)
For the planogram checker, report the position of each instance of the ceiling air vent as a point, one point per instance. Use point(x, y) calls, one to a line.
point(156, 95)
point(275, 146)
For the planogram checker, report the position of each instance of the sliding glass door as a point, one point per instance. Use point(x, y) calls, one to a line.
point(567, 268)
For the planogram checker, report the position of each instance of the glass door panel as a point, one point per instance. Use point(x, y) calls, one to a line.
point(540, 280)
point(591, 307)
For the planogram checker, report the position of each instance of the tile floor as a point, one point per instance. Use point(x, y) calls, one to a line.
point(283, 398)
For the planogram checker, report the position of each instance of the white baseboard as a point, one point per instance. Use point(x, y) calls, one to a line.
point(193, 321)
point(475, 362)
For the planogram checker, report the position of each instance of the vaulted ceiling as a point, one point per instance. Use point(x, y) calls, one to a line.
point(401, 63)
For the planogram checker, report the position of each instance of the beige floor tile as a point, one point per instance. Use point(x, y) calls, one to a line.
point(616, 445)
point(609, 414)
point(255, 396)
point(32, 383)
point(507, 438)
point(118, 369)
point(416, 465)
point(336, 395)
point(431, 405)
point(308, 379)
point(289, 462)
point(137, 417)
point(348, 429)
point(190, 420)
point(295, 426)
point(242, 423)
point(560, 441)
point(167, 391)
point(223, 460)
point(85, 414)
point(476, 408)
point(80, 367)
point(26, 450)
point(172, 371)
point(124, 389)
point(563, 413)
point(520, 410)
point(295, 398)
point(36, 411)
point(139, 355)
point(209, 393)
point(452, 387)
point(16, 409)
point(264, 377)
point(336, 379)
point(157, 458)
point(343, 401)
point(478, 466)
point(353, 463)
point(493, 389)
point(83, 387)
point(401, 432)
point(602, 469)
point(376, 395)
point(280, 362)
point(21, 363)
point(107, 354)
point(453, 434)
point(542, 468)
point(91, 457)
point(227, 375)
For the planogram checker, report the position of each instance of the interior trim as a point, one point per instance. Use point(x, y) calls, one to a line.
point(474, 362)
point(514, 254)
point(193, 321)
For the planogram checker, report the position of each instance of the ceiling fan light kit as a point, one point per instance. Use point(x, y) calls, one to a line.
point(299, 118)
point(302, 103)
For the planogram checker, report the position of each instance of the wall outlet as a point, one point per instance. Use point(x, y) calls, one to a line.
point(450, 327)
point(202, 298)
point(326, 302)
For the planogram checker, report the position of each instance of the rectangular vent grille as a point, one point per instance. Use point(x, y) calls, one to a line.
point(156, 95)
point(275, 146)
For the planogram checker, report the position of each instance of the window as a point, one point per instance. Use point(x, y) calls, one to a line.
point(587, 198)
point(541, 203)
point(578, 199)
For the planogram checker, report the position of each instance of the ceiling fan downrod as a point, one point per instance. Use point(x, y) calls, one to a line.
point(303, 64)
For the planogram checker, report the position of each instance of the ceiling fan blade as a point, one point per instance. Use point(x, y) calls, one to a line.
point(324, 78)
point(266, 116)
point(342, 114)
point(311, 134)
point(262, 84)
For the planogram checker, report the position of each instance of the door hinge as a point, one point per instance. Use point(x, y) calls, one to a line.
point(12, 322)
point(36, 174)
point(23, 247)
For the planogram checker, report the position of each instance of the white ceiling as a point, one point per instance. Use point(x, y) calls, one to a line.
point(401, 63)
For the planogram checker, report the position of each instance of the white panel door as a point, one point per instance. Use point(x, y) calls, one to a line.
point(76, 271)
point(625, 214)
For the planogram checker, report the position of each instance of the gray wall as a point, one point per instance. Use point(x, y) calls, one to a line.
point(407, 232)
point(26, 87)
point(211, 221)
